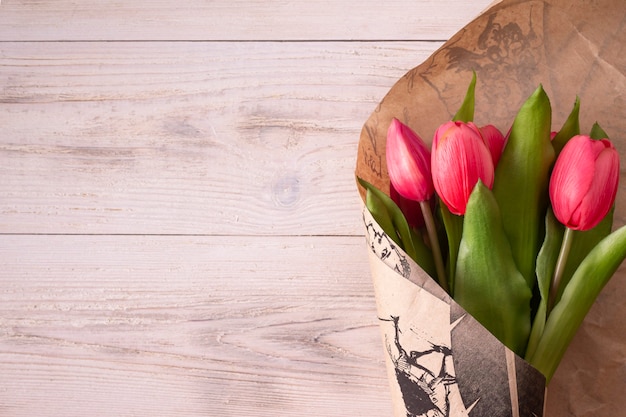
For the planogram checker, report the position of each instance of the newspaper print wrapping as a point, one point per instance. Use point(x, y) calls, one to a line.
point(440, 361)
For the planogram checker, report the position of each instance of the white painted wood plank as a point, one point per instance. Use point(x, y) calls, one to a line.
point(184, 326)
point(221, 326)
point(235, 20)
point(188, 138)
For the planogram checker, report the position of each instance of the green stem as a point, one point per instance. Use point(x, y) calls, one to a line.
point(454, 231)
point(555, 285)
point(434, 243)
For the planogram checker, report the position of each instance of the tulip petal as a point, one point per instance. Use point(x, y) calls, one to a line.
point(494, 140)
point(571, 179)
point(602, 191)
point(408, 162)
point(460, 158)
point(584, 182)
point(410, 208)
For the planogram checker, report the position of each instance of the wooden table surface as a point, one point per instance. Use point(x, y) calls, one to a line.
point(179, 224)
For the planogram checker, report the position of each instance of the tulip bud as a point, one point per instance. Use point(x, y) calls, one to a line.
point(584, 182)
point(408, 163)
point(460, 158)
point(494, 140)
point(410, 208)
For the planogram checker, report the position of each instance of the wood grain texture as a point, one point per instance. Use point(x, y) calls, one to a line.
point(188, 138)
point(234, 20)
point(219, 325)
point(179, 226)
point(175, 326)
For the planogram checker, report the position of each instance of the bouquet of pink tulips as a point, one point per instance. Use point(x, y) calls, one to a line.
point(516, 228)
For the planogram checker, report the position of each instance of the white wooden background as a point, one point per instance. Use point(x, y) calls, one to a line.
point(179, 225)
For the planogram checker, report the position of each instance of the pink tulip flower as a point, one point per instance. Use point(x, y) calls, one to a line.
point(410, 208)
point(584, 182)
point(460, 158)
point(408, 163)
point(494, 140)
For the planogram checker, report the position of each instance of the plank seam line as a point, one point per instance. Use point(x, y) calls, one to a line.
point(221, 40)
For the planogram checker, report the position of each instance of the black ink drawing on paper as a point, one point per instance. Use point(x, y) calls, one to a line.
point(386, 249)
point(424, 390)
point(426, 378)
point(499, 46)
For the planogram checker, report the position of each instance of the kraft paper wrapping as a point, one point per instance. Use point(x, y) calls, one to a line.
point(572, 48)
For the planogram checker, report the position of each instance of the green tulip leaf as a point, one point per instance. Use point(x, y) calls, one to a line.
point(570, 128)
point(487, 282)
point(423, 254)
point(391, 219)
point(597, 132)
point(582, 243)
point(388, 215)
point(521, 181)
point(546, 264)
point(576, 301)
point(379, 212)
point(453, 225)
point(466, 111)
